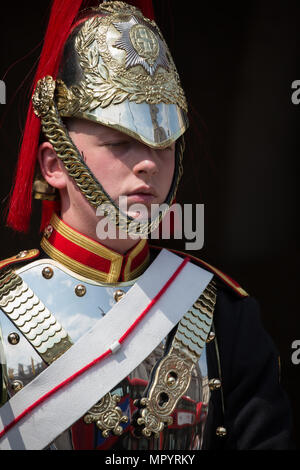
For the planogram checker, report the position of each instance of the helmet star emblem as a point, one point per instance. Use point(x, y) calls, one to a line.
point(143, 46)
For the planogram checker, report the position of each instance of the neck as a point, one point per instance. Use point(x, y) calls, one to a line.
point(87, 225)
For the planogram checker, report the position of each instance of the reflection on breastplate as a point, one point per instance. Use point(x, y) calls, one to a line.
point(185, 433)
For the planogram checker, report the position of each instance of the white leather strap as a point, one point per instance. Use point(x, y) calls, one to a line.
point(41, 426)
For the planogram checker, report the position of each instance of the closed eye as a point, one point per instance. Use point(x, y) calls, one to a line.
point(116, 144)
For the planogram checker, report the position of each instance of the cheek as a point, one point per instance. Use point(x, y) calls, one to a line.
point(110, 172)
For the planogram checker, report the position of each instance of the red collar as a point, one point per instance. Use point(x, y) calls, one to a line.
point(89, 258)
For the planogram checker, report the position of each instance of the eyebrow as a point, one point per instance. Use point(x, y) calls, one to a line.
point(113, 138)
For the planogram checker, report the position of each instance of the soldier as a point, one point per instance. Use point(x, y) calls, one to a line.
point(108, 343)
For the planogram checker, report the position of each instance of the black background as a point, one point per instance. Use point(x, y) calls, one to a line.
point(237, 65)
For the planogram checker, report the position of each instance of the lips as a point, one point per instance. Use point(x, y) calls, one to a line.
point(141, 198)
point(143, 190)
point(142, 195)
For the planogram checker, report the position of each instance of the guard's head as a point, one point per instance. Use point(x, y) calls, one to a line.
point(114, 70)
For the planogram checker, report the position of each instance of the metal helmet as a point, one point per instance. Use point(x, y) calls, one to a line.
point(115, 70)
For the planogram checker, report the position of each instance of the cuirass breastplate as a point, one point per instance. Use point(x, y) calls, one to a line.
point(77, 304)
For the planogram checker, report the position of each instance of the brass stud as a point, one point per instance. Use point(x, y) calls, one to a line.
point(80, 290)
point(13, 338)
point(210, 337)
point(48, 231)
point(171, 381)
point(17, 385)
point(22, 254)
point(221, 431)
point(118, 295)
point(47, 273)
point(214, 384)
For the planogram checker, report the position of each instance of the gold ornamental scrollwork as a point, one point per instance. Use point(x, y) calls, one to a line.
point(43, 96)
point(170, 384)
point(107, 415)
point(110, 79)
point(173, 373)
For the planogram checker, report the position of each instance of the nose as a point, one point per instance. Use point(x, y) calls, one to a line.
point(146, 161)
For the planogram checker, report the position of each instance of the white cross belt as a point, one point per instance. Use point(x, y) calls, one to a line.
point(57, 413)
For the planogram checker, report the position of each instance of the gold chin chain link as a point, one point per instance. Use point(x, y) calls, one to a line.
point(56, 133)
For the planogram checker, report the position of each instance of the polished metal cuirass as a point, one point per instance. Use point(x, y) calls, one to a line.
point(59, 307)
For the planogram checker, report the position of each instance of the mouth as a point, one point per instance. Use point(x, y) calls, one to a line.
point(142, 194)
point(148, 190)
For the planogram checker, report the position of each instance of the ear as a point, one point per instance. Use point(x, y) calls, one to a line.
point(51, 167)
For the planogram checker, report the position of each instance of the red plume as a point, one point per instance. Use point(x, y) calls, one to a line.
point(62, 16)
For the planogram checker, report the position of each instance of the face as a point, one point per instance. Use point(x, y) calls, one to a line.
point(123, 165)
